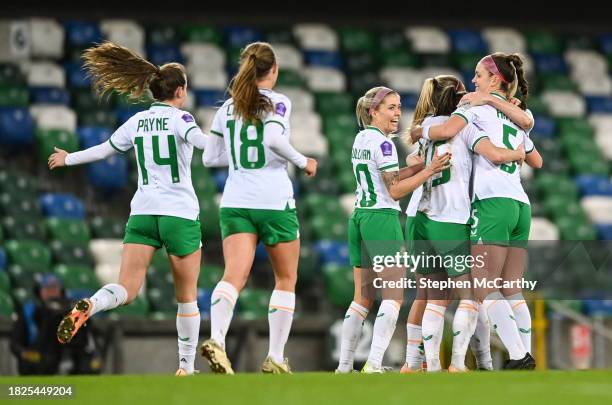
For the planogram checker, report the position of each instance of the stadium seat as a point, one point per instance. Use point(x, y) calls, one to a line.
point(48, 139)
point(584, 63)
point(62, 206)
point(82, 33)
point(253, 303)
point(209, 219)
point(54, 117)
point(201, 33)
point(240, 36)
point(46, 38)
point(100, 118)
point(347, 201)
point(465, 41)
point(210, 98)
point(428, 40)
point(23, 227)
point(301, 100)
point(208, 80)
point(106, 228)
point(77, 277)
point(76, 254)
point(109, 175)
point(106, 251)
point(594, 185)
point(162, 35)
point(324, 79)
point(11, 74)
point(290, 78)
point(16, 127)
point(571, 228)
point(6, 305)
point(159, 277)
point(68, 230)
point(288, 57)
point(28, 253)
point(13, 96)
point(3, 258)
point(43, 74)
point(604, 142)
point(543, 42)
point(403, 80)
point(5, 282)
point(202, 56)
point(604, 231)
point(332, 251)
point(76, 76)
point(316, 37)
point(505, 40)
point(15, 46)
point(323, 59)
point(210, 275)
point(307, 120)
point(564, 104)
point(605, 42)
point(543, 229)
point(49, 95)
point(592, 86)
point(125, 32)
point(161, 54)
point(599, 104)
point(338, 284)
point(598, 209)
point(16, 204)
point(546, 63)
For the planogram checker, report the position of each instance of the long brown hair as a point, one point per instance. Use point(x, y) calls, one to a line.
point(439, 96)
point(511, 68)
point(114, 67)
point(256, 60)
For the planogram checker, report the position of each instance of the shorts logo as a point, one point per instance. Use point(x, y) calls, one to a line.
point(386, 148)
point(187, 118)
point(280, 109)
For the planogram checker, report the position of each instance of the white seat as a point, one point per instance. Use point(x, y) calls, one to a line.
point(288, 57)
point(428, 39)
point(347, 201)
point(402, 79)
point(46, 74)
point(564, 103)
point(301, 100)
point(47, 37)
point(543, 229)
point(307, 120)
point(604, 141)
point(316, 37)
point(526, 172)
point(309, 142)
point(507, 40)
point(528, 65)
point(106, 251)
point(107, 273)
point(204, 117)
point(324, 79)
point(594, 85)
point(598, 209)
point(405, 120)
point(586, 63)
point(190, 103)
point(127, 33)
point(54, 117)
point(15, 42)
point(601, 123)
point(209, 80)
point(203, 56)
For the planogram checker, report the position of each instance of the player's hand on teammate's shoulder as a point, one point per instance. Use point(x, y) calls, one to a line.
point(311, 167)
point(474, 99)
point(57, 159)
point(521, 150)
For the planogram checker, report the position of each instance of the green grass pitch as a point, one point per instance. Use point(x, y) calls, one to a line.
point(551, 387)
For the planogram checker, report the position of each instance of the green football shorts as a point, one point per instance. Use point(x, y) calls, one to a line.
point(500, 221)
point(378, 231)
point(271, 226)
point(180, 236)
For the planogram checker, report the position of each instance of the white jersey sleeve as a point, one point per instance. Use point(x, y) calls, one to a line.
point(385, 155)
point(281, 112)
point(466, 112)
point(121, 139)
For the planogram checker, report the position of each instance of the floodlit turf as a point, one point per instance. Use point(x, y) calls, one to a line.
point(553, 387)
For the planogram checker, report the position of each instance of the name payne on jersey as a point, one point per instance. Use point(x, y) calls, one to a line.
point(152, 124)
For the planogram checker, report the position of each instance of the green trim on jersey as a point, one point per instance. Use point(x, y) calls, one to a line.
point(189, 130)
point(462, 116)
point(216, 133)
point(499, 96)
point(389, 166)
point(476, 141)
point(376, 129)
point(114, 147)
point(274, 122)
point(158, 104)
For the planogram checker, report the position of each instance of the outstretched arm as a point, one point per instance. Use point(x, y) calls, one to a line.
point(214, 152)
point(62, 158)
point(439, 132)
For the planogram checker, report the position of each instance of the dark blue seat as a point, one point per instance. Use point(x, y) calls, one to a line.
point(91, 136)
point(49, 95)
point(323, 58)
point(109, 175)
point(605, 42)
point(545, 127)
point(550, 63)
point(82, 33)
point(209, 98)
point(604, 231)
point(332, 252)
point(599, 104)
point(594, 185)
point(467, 41)
point(76, 75)
point(409, 100)
point(3, 261)
point(238, 37)
point(62, 205)
point(161, 54)
point(16, 127)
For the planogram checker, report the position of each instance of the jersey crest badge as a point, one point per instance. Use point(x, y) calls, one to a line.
point(386, 148)
point(187, 118)
point(280, 109)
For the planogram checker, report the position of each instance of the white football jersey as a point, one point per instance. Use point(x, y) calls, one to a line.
point(160, 136)
point(446, 195)
point(492, 180)
point(372, 154)
point(258, 177)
